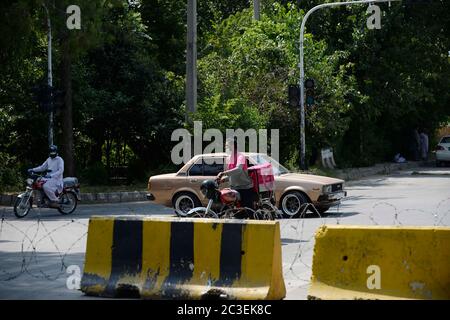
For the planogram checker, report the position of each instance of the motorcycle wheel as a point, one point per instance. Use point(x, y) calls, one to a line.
point(21, 209)
point(200, 212)
point(67, 203)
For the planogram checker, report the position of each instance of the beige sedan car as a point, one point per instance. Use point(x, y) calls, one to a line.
point(181, 190)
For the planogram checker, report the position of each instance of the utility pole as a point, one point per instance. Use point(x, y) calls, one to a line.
point(303, 165)
point(49, 76)
point(191, 58)
point(256, 9)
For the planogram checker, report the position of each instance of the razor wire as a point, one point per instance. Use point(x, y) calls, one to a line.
point(304, 248)
point(295, 228)
point(29, 247)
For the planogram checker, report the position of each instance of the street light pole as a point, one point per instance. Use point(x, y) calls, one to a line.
point(191, 58)
point(49, 76)
point(302, 71)
point(256, 9)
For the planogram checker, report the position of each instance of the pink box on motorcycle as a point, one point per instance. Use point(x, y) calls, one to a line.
point(262, 176)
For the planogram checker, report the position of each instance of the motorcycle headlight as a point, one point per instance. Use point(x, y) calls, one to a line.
point(29, 182)
point(326, 189)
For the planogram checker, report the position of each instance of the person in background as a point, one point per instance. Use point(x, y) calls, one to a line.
point(237, 174)
point(424, 145)
point(416, 145)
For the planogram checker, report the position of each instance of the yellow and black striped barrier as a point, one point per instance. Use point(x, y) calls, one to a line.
point(173, 258)
point(381, 262)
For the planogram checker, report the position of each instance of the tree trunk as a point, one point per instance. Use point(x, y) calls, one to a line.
point(96, 151)
point(108, 156)
point(67, 124)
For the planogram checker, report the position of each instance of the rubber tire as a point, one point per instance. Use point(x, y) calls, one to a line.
point(16, 203)
point(301, 196)
point(193, 197)
point(76, 203)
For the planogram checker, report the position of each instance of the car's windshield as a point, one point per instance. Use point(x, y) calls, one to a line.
point(278, 169)
point(445, 140)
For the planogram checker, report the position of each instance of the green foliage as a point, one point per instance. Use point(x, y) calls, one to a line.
point(127, 70)
point(216, 112)
point(402, 70)
point(124, 98)
point(254, 62)
point(10, 177)
point(95, 174)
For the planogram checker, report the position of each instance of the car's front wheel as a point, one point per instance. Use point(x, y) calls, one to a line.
point(293, 204)
point(183, 202)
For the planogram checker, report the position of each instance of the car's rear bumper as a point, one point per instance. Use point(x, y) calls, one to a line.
point(331, 199)
point(150, 197)
point(443, 155)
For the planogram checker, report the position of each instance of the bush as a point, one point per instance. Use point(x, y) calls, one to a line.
point(137, 171)
point(96, 174)
point(10, 177)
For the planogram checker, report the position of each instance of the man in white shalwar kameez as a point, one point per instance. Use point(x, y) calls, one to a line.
point(54, 178)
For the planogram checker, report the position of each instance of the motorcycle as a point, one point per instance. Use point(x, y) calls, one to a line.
point(34, 193)
point(229, 199)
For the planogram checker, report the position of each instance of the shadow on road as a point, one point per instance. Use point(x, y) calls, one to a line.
point(341, 214)
point(286, 241)
point(37, 275)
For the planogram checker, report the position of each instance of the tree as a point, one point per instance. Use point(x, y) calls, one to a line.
point(253, 63)
point(126, 100)
point(72, 44)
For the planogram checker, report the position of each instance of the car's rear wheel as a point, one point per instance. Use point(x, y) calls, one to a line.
point(183, 202)
point(293, 204)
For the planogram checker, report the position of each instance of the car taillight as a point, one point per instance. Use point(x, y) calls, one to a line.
point(439, 148)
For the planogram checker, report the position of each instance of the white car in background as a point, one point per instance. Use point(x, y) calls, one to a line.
point(443, 151)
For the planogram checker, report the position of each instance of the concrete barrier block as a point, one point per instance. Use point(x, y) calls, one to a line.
point(173, 258)
point(381, 262)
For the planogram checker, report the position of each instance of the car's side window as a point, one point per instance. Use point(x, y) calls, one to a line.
point(196, 169)
point(212, 169)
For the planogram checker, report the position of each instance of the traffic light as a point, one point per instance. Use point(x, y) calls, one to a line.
point(294, 95)
point(309, 92)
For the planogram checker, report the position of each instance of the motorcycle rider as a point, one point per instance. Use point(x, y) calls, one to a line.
point(54, 178)
point(237, 174)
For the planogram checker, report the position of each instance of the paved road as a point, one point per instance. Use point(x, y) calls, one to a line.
point(36, 251)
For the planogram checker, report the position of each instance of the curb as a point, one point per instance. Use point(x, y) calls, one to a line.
point(382, 168)
point(111, 197)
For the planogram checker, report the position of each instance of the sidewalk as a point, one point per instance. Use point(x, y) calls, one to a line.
point(381, 168)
